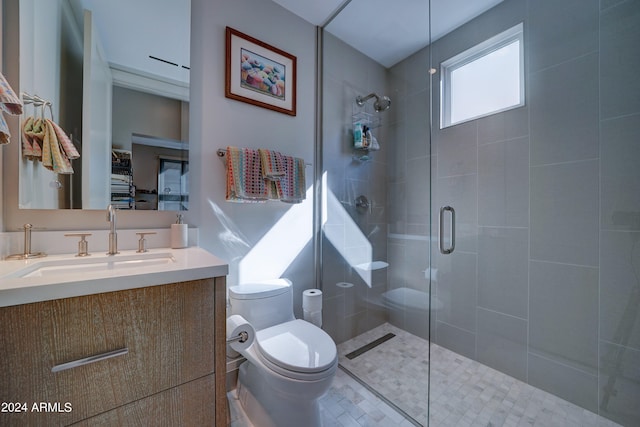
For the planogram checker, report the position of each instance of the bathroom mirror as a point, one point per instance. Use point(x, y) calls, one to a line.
point(116, 75)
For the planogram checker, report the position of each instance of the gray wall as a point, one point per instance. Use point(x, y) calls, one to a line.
point(146, 114)
point(251, 237)
point(544, 284)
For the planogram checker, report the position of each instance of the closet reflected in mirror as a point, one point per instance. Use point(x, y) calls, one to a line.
point(115, 75)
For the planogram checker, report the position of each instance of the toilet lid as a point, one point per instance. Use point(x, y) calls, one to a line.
point(297, 346)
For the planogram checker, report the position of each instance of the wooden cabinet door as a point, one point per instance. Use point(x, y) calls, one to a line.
point(168, 331)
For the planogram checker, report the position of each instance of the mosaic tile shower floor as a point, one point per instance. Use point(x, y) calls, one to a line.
point(463, 392)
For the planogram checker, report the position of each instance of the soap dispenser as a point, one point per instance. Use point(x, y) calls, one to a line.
point(179, 234)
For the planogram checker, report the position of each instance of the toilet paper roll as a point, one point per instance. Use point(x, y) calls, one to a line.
point(235, 325)
point(314, 317)
point(312, 300)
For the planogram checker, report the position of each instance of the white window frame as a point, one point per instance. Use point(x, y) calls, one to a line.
point(478, 51)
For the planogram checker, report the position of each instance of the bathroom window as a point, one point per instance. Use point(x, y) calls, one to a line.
point(485, 79)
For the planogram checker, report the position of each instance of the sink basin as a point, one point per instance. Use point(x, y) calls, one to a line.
point(49, 268)
point(66, 275)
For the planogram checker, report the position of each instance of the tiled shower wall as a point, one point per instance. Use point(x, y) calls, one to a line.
point(545, 281)
point(351, 303)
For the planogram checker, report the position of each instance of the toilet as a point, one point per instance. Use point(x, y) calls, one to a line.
point(291, 362)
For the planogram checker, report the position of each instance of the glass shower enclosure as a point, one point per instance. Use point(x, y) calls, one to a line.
point(483, 266)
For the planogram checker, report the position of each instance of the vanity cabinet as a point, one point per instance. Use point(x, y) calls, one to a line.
point(166, 376)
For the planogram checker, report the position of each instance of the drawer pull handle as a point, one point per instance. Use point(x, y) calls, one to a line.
point(90, 359)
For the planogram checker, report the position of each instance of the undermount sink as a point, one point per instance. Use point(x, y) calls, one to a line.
point(48, 268)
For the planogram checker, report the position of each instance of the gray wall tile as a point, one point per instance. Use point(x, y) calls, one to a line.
point(620, 287)
point(419, 173)
point(620, 384)
point(503, 126)
point(503, 183)
point(571, 384)
point(561, 30)
point(457, 289)
point(564, 213)
point(502, 343)
point(456, 148)
point(564, 112)
point(417, 124)
point(619, 59)
point(333, 318)
point(459, 192)
point(503, 267)
point(620, 175)
point(500, 18)
point(457, 340)
point(563, 314)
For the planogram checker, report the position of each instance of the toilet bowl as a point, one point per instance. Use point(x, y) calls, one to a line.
point(291, 362)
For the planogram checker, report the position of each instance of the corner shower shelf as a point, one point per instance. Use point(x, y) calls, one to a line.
point(373, 265)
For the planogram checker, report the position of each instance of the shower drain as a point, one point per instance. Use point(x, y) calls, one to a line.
point(369, 346)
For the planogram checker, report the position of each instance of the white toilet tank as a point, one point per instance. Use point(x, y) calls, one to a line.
point(263, 304)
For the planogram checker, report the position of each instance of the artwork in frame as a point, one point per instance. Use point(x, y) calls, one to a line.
point(259, 74)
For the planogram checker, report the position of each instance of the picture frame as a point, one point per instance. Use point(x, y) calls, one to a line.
point(259, 74)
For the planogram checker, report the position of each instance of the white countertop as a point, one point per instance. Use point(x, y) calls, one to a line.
point(191, 263)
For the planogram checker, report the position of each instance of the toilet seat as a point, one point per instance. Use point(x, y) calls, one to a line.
point(297, 349)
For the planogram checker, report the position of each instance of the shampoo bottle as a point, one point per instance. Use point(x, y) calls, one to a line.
point(357, 135)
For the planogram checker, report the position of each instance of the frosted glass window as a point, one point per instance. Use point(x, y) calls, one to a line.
point(483, 80)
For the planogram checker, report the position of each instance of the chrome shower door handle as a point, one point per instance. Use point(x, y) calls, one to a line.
point(452, 229)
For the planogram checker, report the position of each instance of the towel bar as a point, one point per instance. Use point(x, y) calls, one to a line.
point(222, 153)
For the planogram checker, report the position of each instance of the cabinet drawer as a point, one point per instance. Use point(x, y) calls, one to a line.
point(190, 404)
point(168, 331)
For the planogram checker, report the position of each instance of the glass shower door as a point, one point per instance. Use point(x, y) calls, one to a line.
point(535, 313)
point(375, 224)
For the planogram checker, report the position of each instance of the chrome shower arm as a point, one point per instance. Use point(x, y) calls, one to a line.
point(361, 100)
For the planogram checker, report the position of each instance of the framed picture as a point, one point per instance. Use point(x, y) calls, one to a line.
point(260, 74)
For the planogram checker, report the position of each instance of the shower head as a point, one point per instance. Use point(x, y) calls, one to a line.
point(380, 104)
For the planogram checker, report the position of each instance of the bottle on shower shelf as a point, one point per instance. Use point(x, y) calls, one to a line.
point(358, 139)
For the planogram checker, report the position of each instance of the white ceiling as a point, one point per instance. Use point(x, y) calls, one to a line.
point(131, 30)
point(388, 31)
point(385, 31)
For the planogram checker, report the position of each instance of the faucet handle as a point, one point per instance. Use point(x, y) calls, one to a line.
point(83, 245)
point(142, 243)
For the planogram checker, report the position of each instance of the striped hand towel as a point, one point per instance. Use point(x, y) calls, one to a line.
point(244, 176)
point(293, 188)
point(273, 171)
point(284, 175)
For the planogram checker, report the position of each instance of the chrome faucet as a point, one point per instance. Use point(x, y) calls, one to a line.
point(27, 254)
point(113, 235)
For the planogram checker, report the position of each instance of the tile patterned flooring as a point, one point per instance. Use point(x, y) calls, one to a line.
point(464, 392)
point(346, 404)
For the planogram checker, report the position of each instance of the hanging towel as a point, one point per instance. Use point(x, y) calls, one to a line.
point(285, 175)
point(244, 176)
point(64, 141)
point(37, 131)
point(30, 142)
point(5, 135)
point(273, 170)
point(9, 102)
point(292, 187)
point(272, 164)
point(53, 158)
